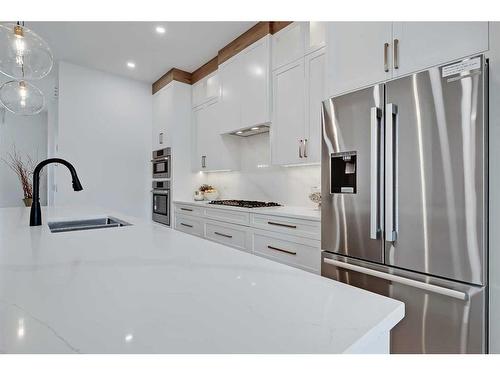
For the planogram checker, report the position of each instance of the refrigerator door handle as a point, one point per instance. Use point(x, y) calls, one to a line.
point(375, 118)
point(399, 279)
point(390, 172)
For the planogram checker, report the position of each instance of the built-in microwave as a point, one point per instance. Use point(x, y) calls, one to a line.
point(161, 201)
point(161, 163)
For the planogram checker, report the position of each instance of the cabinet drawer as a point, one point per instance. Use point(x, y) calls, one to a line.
point(189, 225)
point(186, 209)
point(294, 251)
point(235, 236)
point(297, 227)
point(231, 216)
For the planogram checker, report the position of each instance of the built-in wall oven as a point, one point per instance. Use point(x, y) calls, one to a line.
point(161, 163)
point(161, 201)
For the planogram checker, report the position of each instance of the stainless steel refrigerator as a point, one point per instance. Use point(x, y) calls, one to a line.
point(404, 201)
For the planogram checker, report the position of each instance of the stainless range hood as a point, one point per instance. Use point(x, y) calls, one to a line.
point(254, 130)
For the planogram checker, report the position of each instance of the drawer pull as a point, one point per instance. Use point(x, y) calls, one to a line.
point(223, 235)
point(186, 209)
point(283, 251)
point(282, 225)
point(187, 225)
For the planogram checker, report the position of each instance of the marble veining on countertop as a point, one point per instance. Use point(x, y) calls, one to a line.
point(146, 288)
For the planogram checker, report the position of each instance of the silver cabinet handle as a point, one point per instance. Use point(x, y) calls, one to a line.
point(160, 138)
point(375, 161)
point(186, 209)
point(282, 225)
point(300, 148)
point(391, 156)
point(282, 250)
point(396, 53)
point(223, 235)
point(203, 161)
point(399, 279)
point(386, 57)
point(305, 148)
point(186, 225)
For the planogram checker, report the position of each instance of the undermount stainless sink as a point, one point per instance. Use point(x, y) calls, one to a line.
point(86, 224)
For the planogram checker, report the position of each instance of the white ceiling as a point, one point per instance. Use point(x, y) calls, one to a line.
point(108, 46)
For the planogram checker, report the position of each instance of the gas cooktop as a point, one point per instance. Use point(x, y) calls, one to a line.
point(246, 204)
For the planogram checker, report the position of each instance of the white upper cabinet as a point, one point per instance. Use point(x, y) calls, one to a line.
point(214, 152)
point(297, 40)
point(357, 54)
point(163, 112)
point(255, 88)
point(360, 54)
point(420, 45)
point(315, 94)
point(245, 88)
point(289, 44)
point(287, 130)
point(206, 89)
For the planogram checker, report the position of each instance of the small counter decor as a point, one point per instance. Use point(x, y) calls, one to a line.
point(24, 170)
point(209, 192)
point(315, 196)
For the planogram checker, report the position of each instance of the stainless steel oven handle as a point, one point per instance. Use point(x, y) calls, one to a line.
point(391, 124)
point(399, 279)
point(160, 159)
point(375, 118)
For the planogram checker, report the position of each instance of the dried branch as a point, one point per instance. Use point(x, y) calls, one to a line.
point(23, 169)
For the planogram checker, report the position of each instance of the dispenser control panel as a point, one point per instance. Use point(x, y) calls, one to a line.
point(343, 172)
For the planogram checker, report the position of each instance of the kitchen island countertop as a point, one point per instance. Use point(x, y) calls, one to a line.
point(146, 288)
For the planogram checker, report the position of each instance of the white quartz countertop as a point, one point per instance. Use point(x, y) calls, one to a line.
point(148, 289)
point(297, 212)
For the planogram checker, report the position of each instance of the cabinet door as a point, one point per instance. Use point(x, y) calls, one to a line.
point(315, 36)
point(355, 55)
point(197, 93)
point(230, 80)
point(214, 151)
point(288, 44)
point(287, 130)
point(254, 71)
point(162, 116)
point(315, 94)
point(421, 45)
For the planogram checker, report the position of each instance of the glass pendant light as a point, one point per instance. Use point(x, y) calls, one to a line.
point(23, 54)
point(21, 98)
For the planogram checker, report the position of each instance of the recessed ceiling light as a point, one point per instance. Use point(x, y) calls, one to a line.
point(160, 30)
point(256, 128)
point(239, 132)
point(131, 64)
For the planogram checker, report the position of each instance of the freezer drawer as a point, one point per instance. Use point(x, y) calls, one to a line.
point(440, 316)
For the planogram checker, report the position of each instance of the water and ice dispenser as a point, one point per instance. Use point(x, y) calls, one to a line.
point(343, 172)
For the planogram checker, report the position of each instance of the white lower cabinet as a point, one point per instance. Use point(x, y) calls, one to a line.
point(288, 240)
point(231, 235)
point(190, 224)
point(294, 251)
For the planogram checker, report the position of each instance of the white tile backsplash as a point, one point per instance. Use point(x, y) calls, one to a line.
point(258, 180)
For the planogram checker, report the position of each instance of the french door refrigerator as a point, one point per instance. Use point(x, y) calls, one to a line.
point(404, 201)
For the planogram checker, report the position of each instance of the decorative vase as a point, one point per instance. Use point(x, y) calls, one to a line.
point(198, 196)
point(211, 195)
point(27, 201)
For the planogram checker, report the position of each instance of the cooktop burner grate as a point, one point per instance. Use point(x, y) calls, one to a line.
point(242, 203)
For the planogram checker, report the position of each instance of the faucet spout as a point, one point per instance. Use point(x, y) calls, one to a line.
point(36, 213)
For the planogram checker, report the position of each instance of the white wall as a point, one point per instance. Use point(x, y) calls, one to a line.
point(257, 180)
point(494, 188)
point(105, 132)
point(29, 135)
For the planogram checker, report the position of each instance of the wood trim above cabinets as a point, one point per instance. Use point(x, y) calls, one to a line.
point(278, 25)
point(256, 32)
point(260, 30)
point(173, 74)
point(204, 70)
